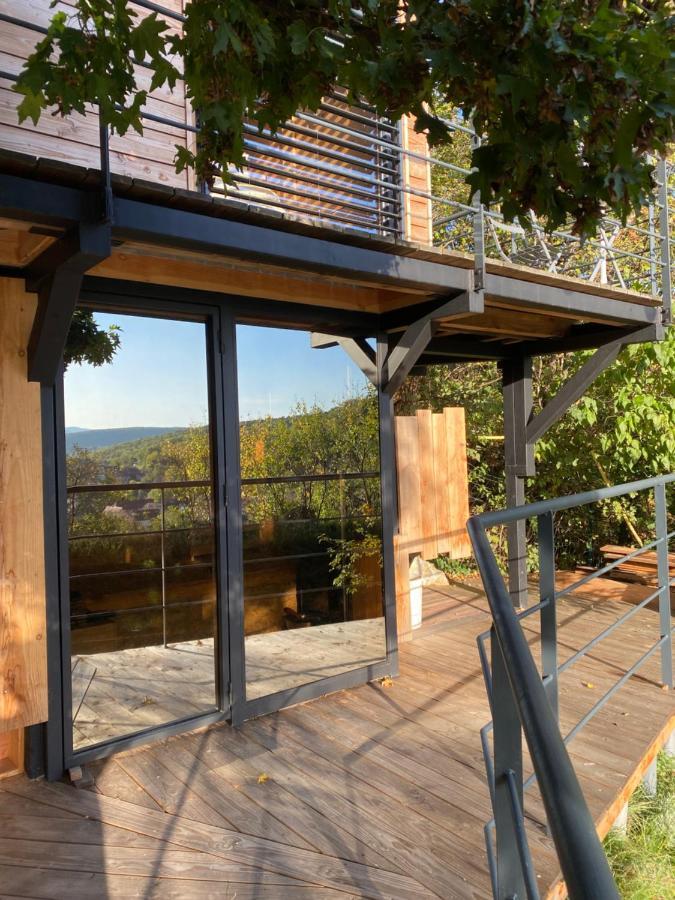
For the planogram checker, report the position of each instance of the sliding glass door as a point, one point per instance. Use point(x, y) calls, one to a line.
point(211, 564)
point(311, 513)
point(141, 525)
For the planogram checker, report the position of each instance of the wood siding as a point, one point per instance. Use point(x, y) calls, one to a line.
point(433, 495)
point(343, 171)
point(75, 139)
point(417, 177)
point(23, 663)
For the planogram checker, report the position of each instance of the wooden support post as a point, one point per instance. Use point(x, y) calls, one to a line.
point(519, 464)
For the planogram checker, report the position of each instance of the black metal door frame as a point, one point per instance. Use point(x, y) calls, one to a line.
point(60, 755)
point(221, 314)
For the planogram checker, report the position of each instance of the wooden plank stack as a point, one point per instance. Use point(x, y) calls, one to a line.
point(641, 569)
point(433, 495)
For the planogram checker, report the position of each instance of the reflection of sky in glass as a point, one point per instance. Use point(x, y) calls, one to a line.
point(278, 369)
point(158, 376)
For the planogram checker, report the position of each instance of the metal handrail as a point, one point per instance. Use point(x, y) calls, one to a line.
point(583, 862)
point(518, 692)
point(270, 479)
point(557, 504)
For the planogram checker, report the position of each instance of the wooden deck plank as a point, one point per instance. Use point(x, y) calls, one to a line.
point(307, 866)
point(170, 793)
point(21, 881)
point(378, 791)
point(250, 776)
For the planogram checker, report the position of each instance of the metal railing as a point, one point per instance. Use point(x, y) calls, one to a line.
point(524, 700)
point(339, 166)
point(342, 166)
point(161, 532)
point(153, 524)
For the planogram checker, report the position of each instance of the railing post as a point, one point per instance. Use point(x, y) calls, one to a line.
point(653, 279)
point(508, 756)
point(518, 464)
point(661, 515)
point(104, 154)
point(666, 281)
point(478, 234)
point(549, 613)
point(163, 553)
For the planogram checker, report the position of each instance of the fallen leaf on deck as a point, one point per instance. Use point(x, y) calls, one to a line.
point(263, 777)
point(588, 684)
point(387, 681)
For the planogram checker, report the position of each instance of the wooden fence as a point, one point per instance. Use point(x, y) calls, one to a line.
point(433, 495)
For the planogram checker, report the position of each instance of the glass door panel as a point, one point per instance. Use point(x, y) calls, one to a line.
point(141, 534)
point(312, 529)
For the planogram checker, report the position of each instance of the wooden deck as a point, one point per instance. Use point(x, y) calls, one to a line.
point(124, 691)
point(375, 792)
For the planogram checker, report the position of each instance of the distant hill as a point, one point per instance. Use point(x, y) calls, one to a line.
point(94, 438)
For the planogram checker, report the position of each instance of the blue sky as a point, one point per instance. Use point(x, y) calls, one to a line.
point(159, 378)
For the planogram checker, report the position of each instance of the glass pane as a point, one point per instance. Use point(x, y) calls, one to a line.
point(141, 533)
point(312, 545)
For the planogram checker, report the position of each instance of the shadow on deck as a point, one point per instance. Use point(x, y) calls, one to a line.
point(376, 792)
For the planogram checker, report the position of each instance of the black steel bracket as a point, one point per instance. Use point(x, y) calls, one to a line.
point(56, 276)
point(358, 349)
point(416, 338)
point(579, 383)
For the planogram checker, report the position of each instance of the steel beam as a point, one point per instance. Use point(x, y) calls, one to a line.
point(417, 336)
point(546, 297)
point(31, 200)
point(448, 349)
point(518, 464)
point(168, 226)
point(590, 337)
point(358, 350)
point(56, 277)
point(572, 390)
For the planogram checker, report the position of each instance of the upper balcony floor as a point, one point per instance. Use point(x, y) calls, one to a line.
point(348, 176)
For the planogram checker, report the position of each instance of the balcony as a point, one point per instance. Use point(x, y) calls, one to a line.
point(341, 175)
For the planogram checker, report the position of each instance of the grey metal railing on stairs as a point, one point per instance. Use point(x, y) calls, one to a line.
point(524, 700)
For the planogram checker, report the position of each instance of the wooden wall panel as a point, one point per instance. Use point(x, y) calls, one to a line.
point(428, 487)
point(442, 477)
point(457, 483)
point(23, 659)
point(433, 495)
point(75, 138)
point(416, 174)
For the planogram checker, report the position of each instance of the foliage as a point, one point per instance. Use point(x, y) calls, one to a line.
point(622, 429)
point(87, 343)
point(335, 519)
point(456, 568)
point(569, 93)
point(345, 556)
point(643, 860)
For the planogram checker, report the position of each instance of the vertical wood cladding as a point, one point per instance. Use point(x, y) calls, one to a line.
point(23, 659)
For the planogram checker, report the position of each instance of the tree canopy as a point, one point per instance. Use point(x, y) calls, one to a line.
point(88, 343)
point(569, 94)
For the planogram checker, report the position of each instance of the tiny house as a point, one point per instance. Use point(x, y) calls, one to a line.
point(213, 518)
